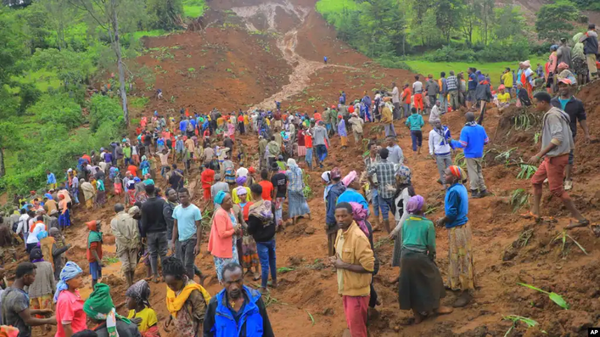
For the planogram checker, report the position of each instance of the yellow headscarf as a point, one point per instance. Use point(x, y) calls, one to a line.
point(176, 302)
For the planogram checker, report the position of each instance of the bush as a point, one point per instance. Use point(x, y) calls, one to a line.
point(104, 109)
point(57, 109)
point(394, 62)
point(450, 54)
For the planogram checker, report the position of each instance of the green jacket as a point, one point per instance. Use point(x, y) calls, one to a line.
point(415, 122)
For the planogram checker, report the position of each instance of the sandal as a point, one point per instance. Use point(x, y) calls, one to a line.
point(530, 215)
point(580, 223)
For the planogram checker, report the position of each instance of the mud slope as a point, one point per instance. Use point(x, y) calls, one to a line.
point(258, 51)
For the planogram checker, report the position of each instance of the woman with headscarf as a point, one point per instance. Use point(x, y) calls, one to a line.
point(101, 311)
point(326, 178)
point(249, 255)
point(223, 232)
point(565, 73)
point(145, 166)
point(100, 193)
point(527, 77)
point(240, 181)
point(420, 283)
point(70, 317)
point(297, 205)
point(404, 191)
point(140, 190)
point(461, 273)
point(140, 312)
point(42, 288)
point(351, 194)
point(94, 249)
point(551, 69)
point(64, 219)
point(88, 193)
point(580, 67)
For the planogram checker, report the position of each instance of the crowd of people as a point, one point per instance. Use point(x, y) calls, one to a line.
point(244, 195)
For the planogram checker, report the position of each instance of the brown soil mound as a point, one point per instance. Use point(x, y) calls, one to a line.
point(507, 248)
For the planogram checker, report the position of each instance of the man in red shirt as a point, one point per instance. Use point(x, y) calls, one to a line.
point(277, 121)
point(308, 143)
point(267, 186)
point(94, 250)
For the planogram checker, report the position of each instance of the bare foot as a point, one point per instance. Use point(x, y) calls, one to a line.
point(442, 310)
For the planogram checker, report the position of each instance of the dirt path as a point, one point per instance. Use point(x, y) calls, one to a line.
point(299, 79)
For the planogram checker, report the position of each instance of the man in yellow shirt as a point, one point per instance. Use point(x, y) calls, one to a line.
point(502, 98)
point(355, 263)
point(507, 80)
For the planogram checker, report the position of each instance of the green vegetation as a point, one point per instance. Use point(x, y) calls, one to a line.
point(194, 8)
point(52, 51)
point(471, 31)
point(556, 298)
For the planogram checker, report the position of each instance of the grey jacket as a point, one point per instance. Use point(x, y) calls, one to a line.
point(320, 136)
point(556, 130)
point(44, 283)
point(432, 88)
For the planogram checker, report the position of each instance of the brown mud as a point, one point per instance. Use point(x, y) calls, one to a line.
point(244, 68)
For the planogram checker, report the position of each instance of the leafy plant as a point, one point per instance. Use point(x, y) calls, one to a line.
point(556, 298)
point(312, 319)
point(536, 137)
point(283, 270)
point(505, 156)
point(563, 237)
point(191, 70)
point(516, 319)
point(518, 199)
point(460, 160)
point(527, 171)
point(307, 191)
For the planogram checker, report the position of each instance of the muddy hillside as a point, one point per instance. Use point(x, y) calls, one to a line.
point(255, 52)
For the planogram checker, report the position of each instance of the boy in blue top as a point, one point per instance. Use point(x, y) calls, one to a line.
point(461, 274)
point(472, 139)
point(415, 123)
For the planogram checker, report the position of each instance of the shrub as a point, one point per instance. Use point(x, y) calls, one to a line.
point(57, 109)
point(104, 109)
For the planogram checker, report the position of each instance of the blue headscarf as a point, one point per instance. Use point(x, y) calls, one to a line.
point(220, 197)
point(69, 271)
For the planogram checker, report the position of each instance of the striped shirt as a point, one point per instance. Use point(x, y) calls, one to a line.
point(385, 176)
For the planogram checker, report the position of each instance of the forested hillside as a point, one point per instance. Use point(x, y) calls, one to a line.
point(52, 52)
point(453, 30)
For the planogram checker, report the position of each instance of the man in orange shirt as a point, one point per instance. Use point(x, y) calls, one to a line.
point(267, 186)
point(317, 116)
point(308, 143)
point(207, 178)
point(406, 99)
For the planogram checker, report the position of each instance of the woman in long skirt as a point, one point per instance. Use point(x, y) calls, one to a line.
point(420, 284)
point(297, 202)
point(249, 252)
point(404, 190)
point(64, 219)
point(100, 193)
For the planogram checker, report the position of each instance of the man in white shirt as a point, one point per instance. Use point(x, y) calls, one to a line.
point(439, 147)
point(38, 226)
point(435, 113)
point(396, 101)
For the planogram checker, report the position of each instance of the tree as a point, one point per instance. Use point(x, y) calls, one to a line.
point(106, 14)
point(509, 22)
point(486, 17)
point(448, 14)
point(164, 14)
point(553, 21)
point(420, 8)
point(469, 19)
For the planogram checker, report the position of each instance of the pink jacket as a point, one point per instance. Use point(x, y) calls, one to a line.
point(220, 242)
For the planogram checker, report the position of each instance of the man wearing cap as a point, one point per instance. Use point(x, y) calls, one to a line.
point(576, 111)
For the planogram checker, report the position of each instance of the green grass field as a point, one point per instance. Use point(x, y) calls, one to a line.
point(194, 8)
point(335, 6)
point(494, 69)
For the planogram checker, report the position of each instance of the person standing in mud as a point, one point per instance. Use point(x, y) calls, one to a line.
point(334, 191)
point(321, 142)
point(461, 272)
point(557, 143)
point(473, 138)
point(154, 229)
point(187, 231)
point(127, 239)
point(355, 262)
point(576, 111)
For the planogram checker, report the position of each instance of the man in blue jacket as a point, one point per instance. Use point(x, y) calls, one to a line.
point(472, 139)
point(237, 310)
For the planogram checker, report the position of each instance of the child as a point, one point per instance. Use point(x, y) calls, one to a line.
point(207, 178)
point(342, 131)
point(94, 250)
point(140, 312)
point(415, 123)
